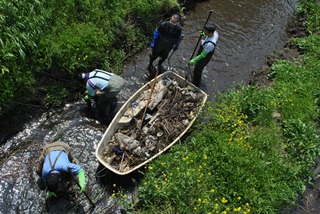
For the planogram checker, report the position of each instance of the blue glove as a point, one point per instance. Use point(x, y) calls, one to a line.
point(155, 37)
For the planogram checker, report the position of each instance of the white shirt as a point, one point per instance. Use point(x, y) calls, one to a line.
point(209, 47)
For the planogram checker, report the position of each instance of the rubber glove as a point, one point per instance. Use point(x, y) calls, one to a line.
point(155, 37)
point(51, 194)
point(87, 98)
point(82, 181)
point(202, 33)
point(197, 58)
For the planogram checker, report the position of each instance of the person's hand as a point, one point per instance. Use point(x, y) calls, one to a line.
point(202, 33)
point(191, 62)
point(51, 194)
point(82, 181)
point(82, 189)
point(87, 98)
point(175, 47)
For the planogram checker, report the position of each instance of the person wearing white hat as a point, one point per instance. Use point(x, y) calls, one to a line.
point(108, 84)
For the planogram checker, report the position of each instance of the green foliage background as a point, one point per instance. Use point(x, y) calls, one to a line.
point(47, 43)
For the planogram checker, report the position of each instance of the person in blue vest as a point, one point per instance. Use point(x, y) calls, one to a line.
point(165, 38)
point(205, 52)
point(54, 167)
point(103, 87)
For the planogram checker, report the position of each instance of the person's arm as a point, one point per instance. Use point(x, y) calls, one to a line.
point(82, 181)
point(197, 58)
point(76, 169)
point(176, 46)
point(40, 163)
point(156, 35)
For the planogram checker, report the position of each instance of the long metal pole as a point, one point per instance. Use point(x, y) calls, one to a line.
point(75, 180)
point(200, 35)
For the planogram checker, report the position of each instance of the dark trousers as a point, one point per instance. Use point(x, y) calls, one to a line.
point(106, 104)
point(197, 71)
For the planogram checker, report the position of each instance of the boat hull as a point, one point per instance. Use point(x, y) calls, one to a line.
point(130, 113)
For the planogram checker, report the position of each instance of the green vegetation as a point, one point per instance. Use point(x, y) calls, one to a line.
point(255, 151)
point(45, 44)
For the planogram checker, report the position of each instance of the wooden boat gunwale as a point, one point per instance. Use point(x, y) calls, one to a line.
point(113, 126)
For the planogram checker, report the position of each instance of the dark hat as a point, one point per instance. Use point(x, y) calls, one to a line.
point(81, 75)
point(52, 181)
point(210, 27)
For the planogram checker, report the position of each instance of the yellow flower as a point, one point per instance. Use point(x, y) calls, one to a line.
point(212, 190)
point(114, 185)
point(239, 198)
point(216, 206)
point(224, 200)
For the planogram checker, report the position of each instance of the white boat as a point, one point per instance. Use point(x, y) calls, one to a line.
point(130, 142)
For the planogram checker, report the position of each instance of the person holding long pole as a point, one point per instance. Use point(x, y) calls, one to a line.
point(205, 52)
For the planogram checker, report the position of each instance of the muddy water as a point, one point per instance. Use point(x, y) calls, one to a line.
point(248, 32)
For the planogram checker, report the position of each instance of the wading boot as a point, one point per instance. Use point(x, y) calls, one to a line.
point(161, 68)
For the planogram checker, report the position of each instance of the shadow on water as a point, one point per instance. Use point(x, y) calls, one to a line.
point(106, 178)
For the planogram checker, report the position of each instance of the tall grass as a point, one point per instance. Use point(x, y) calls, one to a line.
point(44, 42)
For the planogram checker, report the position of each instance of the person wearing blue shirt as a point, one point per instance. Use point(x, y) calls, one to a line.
point(107, 84)
point(165, 38)
point(205, 52)
point(54, 166)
